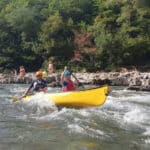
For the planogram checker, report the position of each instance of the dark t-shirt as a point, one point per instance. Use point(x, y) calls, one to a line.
point(38, 84)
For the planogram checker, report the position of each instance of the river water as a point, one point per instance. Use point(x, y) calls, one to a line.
point(122, 123)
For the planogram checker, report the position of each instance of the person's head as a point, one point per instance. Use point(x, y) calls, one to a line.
point(21, 67)
point(39, 74)
point(65, 68)
point(67, 74)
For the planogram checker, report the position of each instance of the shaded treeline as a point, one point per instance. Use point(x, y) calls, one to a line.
point(32, 32)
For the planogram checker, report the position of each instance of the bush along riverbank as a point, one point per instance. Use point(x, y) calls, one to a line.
point(134, 80)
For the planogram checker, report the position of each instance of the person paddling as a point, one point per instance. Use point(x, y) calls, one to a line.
point(67, 83)
point(37, 85)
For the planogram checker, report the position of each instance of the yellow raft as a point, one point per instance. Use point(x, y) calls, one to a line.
point(83, 98)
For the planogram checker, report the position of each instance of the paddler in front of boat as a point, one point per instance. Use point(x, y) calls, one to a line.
point(67, 83)
point(38, 85)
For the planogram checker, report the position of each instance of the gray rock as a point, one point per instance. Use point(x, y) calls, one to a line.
point(133, 79)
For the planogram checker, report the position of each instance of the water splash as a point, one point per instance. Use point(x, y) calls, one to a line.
point(38, 105)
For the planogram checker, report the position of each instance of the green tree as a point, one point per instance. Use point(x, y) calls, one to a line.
point(78, 10)
point(56, 37)
point(121, 33)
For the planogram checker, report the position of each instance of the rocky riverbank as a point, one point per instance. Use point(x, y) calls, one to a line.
point(134, 80)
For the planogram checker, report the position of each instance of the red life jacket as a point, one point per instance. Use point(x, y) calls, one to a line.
point(69, 87)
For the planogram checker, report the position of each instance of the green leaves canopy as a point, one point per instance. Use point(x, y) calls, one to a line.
point(32, 31)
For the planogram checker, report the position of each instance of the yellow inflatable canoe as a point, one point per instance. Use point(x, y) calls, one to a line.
point(83, 98)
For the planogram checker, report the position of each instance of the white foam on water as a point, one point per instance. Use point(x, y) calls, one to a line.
point(77, 121)
point(86, 131)
point(141, 99)
point(84, 113)
point(24, 136)
point(127, 98)
point(20, 138)
point(132, 96)
point(129, 110)
point(147, 132)
point(75, 128)
point(133, 116)
point(114, 106)
point(39, 99)
point(147, 141)
point(64, 115)
point(38, 105)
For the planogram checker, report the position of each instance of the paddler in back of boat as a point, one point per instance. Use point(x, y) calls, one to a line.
point(37, 85)
point(67, 83)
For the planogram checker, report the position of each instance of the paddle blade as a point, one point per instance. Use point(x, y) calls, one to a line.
point(15, 99)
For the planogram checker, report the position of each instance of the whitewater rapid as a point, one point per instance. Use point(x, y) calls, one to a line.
point(123, 120)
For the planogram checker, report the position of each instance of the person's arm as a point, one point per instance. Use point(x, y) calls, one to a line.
point(62, 74)
point(78, 82)
point(27, 91)
point(75, 78)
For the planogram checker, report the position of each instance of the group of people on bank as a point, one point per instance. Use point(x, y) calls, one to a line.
point(40, 84)
point(22, 71)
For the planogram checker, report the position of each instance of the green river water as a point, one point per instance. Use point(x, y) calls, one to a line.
point(122, 123)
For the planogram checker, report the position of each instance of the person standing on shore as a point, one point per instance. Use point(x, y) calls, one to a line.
point(50, 68)
point(37, 85)
point(21, 72)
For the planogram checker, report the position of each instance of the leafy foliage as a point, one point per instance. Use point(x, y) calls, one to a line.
point(32, 31)
point(119, 32)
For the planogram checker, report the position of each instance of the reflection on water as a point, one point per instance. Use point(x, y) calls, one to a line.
point(123, 122)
